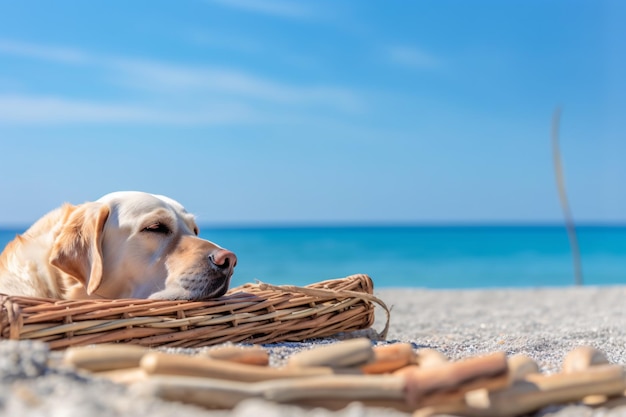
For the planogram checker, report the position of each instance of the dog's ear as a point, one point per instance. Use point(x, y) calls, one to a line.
point(77, 250)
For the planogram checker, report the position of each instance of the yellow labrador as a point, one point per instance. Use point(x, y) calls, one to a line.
point(125, 245)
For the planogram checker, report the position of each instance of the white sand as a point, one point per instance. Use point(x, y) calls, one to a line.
point(542, 323)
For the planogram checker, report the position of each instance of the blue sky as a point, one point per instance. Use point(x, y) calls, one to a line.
point(282, 111)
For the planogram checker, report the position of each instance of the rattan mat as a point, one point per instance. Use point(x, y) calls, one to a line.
point(251, 313)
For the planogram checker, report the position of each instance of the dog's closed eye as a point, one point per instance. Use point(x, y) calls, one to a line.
point(157, 228)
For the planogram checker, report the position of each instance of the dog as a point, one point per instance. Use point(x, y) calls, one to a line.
point(127, 244)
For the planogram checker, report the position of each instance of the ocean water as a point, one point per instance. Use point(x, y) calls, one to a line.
point(421, 256)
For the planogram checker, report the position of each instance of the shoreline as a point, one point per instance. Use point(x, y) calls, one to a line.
point(543, 323)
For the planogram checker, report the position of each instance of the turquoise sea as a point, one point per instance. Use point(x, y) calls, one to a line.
point(421, 256)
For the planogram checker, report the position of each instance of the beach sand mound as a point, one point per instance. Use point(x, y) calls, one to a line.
point(544, 324)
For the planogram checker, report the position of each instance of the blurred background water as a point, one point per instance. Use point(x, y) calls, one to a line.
point(421, 256)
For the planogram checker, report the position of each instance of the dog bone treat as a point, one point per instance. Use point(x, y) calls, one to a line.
point(594, 374)
point(344, 354)
point(448, 376)
point(217, 393)
point(205, 392)
point(457, 394)
point(524, 396)
point(582, 358)
point(352, 387)
point(489, 385)
point(171, 364)
point(249, 355)
point(389, 358)
point(520, 366)
point(424, 358)
point(539, 391)
point(430, 357)
point(104, 357)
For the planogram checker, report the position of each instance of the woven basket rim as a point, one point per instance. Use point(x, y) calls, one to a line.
point(252, 311)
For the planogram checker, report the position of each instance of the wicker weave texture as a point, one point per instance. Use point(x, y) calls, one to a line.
point(252, 313)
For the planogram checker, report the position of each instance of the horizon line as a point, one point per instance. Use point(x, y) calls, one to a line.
point(409, 224)
point(378, 224)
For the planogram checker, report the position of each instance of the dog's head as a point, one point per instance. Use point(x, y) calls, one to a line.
point(138, 245)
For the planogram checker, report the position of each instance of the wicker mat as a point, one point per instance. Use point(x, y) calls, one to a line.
point(251, 313)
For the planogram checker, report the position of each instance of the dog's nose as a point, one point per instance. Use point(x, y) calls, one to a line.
point(223, 259)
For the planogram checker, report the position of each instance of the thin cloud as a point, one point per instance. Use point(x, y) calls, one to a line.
point(412, 57)
point(22, 109)
point(160, 77)
point(279, 8)
point(50, 53)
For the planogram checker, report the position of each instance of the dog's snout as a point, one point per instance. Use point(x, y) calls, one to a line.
point(223, 259)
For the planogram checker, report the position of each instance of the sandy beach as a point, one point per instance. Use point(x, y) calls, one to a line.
point(544, 324)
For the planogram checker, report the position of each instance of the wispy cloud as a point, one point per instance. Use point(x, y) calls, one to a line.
point(412, 57)
point(162, 76)
point(245, 92)
point(18, 109)
point(52, 53)
point(280, 8)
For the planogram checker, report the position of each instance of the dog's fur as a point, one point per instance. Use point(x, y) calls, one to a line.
point(124, 245)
